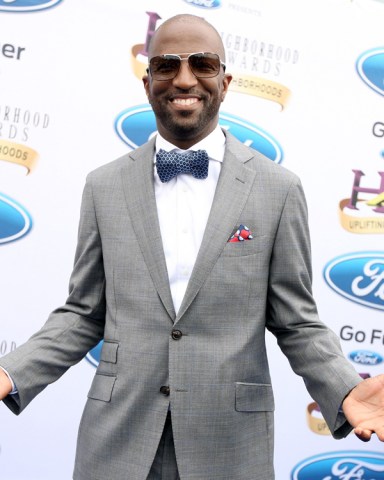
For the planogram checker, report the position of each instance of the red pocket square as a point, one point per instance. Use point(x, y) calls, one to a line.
point(241, 234)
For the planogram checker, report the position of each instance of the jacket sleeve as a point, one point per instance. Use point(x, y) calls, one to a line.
point(71, 330)
point(312, 349)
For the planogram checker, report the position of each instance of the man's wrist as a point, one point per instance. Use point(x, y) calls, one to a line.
point(12, 387)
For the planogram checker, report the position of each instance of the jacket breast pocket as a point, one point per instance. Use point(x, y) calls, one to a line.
point(254, 397)
point(102, 387)
point(247, 247)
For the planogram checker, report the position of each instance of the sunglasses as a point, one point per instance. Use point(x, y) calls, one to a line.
point(202, 65)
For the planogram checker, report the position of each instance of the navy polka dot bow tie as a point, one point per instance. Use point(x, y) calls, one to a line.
point(170, 164)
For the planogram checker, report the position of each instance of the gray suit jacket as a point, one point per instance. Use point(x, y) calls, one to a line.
point(220, 388)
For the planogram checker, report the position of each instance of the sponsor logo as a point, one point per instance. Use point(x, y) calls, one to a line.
point(204, 3)
point(15, 221)
point(362, 215)
point(258, 65)
point(370, 67)
point(93, 356)
point(365, 357)
point(13, 52)
point(358, 277)
point(348, 334)
point(26, 5)
point(137, 125)
point(341, 466)
point(378, 129)
point(18, 126)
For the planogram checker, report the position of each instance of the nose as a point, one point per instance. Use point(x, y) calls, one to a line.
point(185, 78)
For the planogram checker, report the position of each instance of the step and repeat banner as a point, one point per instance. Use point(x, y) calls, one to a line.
point(308, 91)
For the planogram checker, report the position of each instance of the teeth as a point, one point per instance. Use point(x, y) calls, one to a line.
point(185, 101)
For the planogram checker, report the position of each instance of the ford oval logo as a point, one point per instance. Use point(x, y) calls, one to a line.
point(365, 357)
point(26, 5)
point(340, 466)
point(370, 67)
point(137, 125)
point(204, 3)
point(15, 221)
point(358, 277)
point(93, 356)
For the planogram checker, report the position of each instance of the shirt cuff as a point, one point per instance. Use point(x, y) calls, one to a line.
point(14, 390)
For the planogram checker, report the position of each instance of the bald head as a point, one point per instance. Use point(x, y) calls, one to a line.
point(183, 27)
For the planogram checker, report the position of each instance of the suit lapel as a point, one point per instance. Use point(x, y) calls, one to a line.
point(231, 194)
point(137, 179)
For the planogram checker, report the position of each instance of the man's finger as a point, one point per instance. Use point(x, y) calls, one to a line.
point(363, 434)
point(380, 433)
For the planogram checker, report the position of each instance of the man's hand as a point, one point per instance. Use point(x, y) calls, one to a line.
point(5, 385)
point(364, 408)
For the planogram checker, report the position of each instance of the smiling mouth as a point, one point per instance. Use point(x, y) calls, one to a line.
point(185, 101)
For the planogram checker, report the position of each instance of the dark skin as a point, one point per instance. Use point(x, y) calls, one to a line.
point(186, 107)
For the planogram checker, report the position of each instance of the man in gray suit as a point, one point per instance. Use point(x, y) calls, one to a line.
point(181, 275)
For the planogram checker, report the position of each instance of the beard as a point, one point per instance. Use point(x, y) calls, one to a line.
point(186, 125)
point(183, 126)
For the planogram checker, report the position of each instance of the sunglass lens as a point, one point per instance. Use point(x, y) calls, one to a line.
point(204, 65)
point(164, 67)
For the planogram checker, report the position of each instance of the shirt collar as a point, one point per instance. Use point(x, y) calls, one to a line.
point(214, 144)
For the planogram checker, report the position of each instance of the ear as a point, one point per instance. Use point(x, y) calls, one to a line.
point(226, 81)
point(145, 81)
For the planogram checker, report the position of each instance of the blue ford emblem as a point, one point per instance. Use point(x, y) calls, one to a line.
point(365, 357)
point(370, 67)
point(15, 221)
point(341, 466)
point(358, 277)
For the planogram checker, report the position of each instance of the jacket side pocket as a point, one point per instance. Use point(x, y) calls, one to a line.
point(102, 387)
point(254, 397)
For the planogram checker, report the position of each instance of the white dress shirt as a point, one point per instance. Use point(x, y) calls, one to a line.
point(183, 206)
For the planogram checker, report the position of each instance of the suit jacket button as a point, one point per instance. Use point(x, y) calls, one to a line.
point(165, 390)
point(176, 334)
